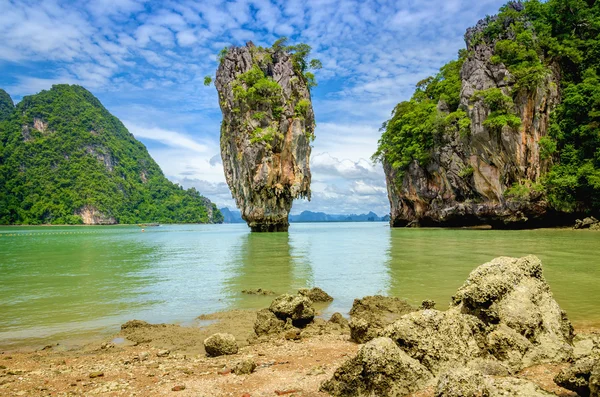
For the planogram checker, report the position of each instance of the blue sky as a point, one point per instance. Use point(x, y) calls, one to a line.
point(145, 60)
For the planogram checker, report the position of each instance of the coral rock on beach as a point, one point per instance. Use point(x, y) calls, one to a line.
point(220, 344)
point(369, 315)
point(503, 319)
point(298, 308)
point(511, 296)
point(315, 294)
point(380, 368)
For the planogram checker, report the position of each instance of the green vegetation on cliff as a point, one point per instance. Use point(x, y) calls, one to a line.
point(62, 154)
point(532, 40)
point(409, 134)
point(255, 91)
point(6, 105)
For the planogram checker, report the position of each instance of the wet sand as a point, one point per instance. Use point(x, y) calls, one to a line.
point(169, 359)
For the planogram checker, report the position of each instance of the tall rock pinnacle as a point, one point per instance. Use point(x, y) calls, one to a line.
point(268, 125)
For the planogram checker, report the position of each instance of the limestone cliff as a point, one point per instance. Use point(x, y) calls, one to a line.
point(268, 124)
point(474, 176)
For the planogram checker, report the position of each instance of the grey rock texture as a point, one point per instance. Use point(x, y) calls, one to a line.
point(577, 376)
point(316, 294)
point(220, 344)
point(439, 340)
point(244, 367)
point(371, 314)
point(511, 296)
point(586, 345)
point(460, 382)
point(267, 323)
point(441, 194)
point(380, 369)
point(501, 320)
point(464, 382)
point(296, 308)
point(582, 377)
point(265, 174)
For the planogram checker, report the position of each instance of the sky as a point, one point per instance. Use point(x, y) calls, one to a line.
point(146, 61)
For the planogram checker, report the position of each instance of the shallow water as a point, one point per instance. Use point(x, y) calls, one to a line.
point(59, 283)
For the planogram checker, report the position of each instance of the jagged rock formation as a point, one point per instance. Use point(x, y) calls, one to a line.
point(371, 314)
point(525, 325)
point(315, 294)
point(468, 177)
point(64, 159)
point(465, 382)
point(583, 376)
point(380, 368)
point(501, 320)
point(293, 316)
point(298, 308)
point(268, 124)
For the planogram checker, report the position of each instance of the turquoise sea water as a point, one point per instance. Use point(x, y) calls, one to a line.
point(60, 283)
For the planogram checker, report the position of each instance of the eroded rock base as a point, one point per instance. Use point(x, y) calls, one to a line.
point(269, 227)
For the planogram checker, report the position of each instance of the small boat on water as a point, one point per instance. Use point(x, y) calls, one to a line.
point(148, 224)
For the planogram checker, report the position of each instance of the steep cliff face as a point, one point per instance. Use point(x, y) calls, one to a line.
point(487, 172)
point(268, 124)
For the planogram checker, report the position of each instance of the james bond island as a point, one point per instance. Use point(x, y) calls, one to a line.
point(116, 280)
point(267, 128)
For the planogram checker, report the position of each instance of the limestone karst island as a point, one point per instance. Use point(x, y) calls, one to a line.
point(300, 198)
point(268, 125)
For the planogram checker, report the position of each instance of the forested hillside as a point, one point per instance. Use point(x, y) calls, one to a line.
point(64, 159)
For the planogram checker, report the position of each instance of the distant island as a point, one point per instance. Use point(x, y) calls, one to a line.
point(64, 159)
point(230, 216)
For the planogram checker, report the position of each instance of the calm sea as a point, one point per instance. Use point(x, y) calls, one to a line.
point(61, 283)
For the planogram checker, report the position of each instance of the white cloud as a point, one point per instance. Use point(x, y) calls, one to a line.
point(218, 192)
point(166, 137)
point(146, 59)
point(186, 38)
point(323, 164)
point(112, 7)
point(159, 34)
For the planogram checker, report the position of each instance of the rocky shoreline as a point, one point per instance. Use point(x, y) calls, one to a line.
point(503, 334)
